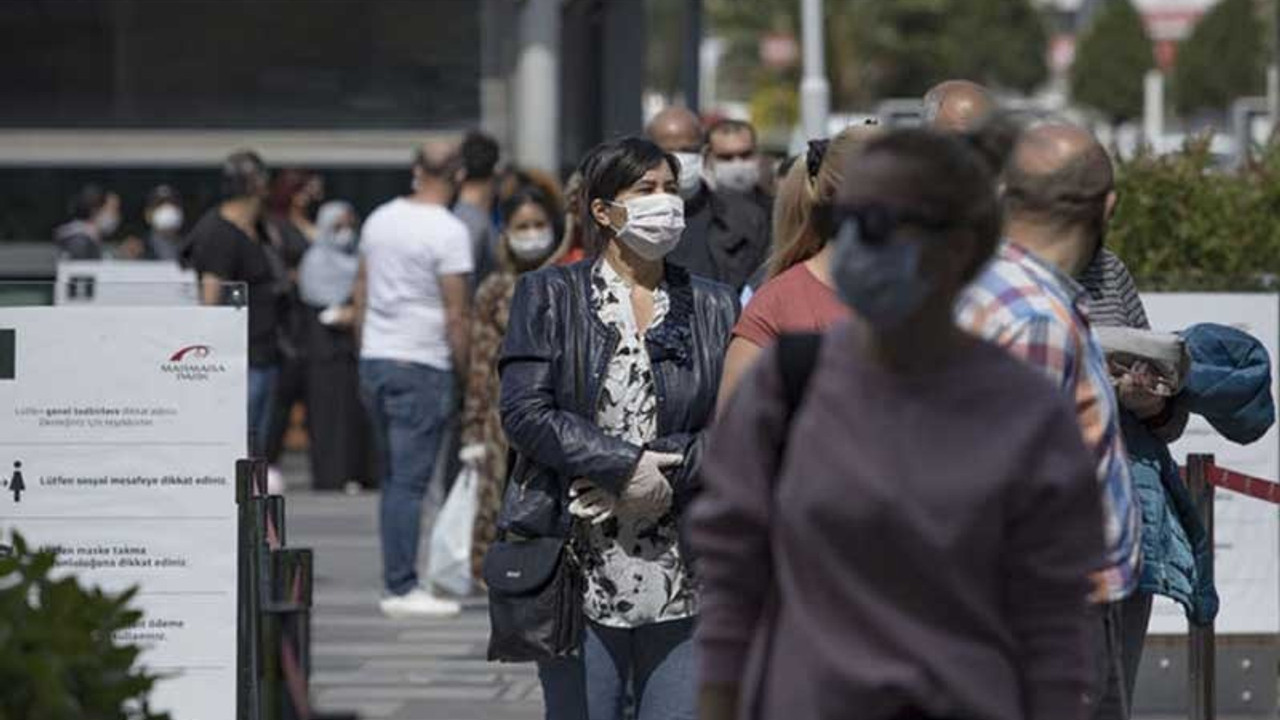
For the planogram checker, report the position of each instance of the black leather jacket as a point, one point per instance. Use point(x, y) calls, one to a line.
point(553, 364)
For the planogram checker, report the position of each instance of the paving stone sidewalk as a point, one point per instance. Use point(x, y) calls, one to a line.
point(386, 669)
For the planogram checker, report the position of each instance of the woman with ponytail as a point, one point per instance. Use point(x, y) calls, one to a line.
point(799, 295)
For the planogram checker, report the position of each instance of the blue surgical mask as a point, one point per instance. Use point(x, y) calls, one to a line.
point(880, 280)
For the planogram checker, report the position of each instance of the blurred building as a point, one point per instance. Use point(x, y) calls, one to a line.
point(131, 93)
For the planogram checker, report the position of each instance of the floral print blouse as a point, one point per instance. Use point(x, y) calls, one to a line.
point(635, 575)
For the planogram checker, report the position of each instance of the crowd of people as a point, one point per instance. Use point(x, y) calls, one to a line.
point(751, 439)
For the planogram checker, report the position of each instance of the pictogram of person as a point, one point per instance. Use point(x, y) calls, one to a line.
point(16, 484)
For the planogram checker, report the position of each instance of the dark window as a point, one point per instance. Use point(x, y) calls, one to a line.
point(240, 63)
point(34, 200)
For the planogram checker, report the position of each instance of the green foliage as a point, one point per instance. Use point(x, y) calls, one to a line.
point(1112, 58)
point(58, 660)
point(892, 48)
point(1002, 43)
point(1225, 58)
point(1182, 225)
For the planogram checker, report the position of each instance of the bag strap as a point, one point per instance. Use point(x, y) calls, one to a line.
point(797, 357)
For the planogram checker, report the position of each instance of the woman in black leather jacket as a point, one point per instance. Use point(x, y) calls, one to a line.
point(609, 374)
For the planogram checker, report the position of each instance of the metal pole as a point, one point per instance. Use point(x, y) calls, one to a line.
point(691, 67)
point(815, 91)
point(1200, 649)
point(249, 473)
point(537, 118)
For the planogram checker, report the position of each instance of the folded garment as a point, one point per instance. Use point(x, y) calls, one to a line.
point(1230, 382)
point(1158, 361)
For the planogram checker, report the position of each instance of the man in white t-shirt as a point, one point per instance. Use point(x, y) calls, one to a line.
point(412, 297)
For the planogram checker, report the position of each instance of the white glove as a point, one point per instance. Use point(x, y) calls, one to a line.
point(647, 493)
point(590, 502)
point(331, 315)
point(472, 454)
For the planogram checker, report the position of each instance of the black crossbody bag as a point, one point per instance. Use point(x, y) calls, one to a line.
point(535, 579)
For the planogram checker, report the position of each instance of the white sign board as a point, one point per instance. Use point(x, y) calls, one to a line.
point(124, 282)
point(124, 425)
point(1247, 548)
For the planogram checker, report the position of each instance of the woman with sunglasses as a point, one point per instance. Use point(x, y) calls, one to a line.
point(609, 373)
point(799, 295)
point(900, 522)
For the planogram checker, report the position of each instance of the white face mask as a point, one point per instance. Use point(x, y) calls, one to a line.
point(345, 238)
point(167, 218)
point(654, 225)
point(738, 176)
point(690, 174)
point(532, 244)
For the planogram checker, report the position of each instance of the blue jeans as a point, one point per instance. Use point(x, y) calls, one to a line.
point(262, 391)
point(409, 407)
point(657, 660)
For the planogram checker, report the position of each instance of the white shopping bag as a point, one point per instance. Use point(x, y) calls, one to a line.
point(449, 559)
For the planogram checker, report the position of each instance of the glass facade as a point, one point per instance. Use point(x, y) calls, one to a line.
point(240, 63)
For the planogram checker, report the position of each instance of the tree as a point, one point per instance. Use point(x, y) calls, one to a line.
point(1222, 60)
point(1001, 43)
point(1112, 58)
point(894, 48)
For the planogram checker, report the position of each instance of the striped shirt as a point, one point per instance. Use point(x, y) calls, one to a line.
point(1112, 295)
point(1038, 314)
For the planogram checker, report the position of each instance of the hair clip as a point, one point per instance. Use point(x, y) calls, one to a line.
point(813, 160)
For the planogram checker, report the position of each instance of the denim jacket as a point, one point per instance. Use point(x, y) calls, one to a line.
point(1230, 386)
point(552, 368)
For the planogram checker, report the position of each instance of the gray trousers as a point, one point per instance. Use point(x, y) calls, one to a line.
point(1121, 633)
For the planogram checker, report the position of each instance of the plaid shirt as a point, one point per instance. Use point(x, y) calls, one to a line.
point(1038, 314)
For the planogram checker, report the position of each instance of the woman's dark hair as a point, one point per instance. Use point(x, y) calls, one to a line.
point(531, 195)
point(962, 171)
point(284, 186)
point(611, 168)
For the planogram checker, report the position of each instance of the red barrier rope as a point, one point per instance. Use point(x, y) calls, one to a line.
point(1244, 484)
point(1238, 482)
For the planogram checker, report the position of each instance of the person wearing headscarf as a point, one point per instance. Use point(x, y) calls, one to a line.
point(337, 427)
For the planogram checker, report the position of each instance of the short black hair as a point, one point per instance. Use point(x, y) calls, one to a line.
point(611, 168)
point(87, 201)
point(479, 156)
point(162, 194)
point(532, 195)
point(729, 126)
point(238, 169)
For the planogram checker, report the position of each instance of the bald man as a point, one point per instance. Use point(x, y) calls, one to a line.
point(412, 298)
point(1058, 193)
point(726, 236)
point(957, 106)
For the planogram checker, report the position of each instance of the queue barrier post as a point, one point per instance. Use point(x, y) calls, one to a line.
point(250, 478)
point(1200, 639)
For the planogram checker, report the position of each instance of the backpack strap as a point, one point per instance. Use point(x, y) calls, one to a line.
point(797, 356)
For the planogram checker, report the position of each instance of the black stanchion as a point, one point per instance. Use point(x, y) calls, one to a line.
point(250, 475)
point(274, 631)
point(1200, 639)
point(291, 587)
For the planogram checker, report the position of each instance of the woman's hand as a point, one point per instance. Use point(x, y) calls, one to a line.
point(647, 493)
point(590, 502)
